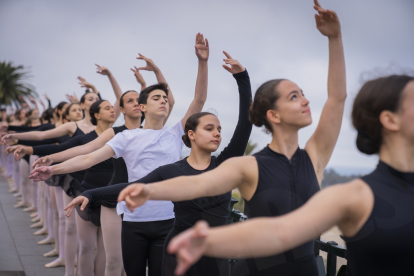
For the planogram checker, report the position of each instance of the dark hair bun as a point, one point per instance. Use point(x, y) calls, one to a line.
point(255, 118)
point(186, 140)
point(366, 145)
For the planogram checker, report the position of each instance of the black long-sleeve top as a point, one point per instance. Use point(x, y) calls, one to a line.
point(213, 209)
point(29, 128)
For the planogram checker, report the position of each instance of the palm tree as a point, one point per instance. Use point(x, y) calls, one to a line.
point(249, 148)
point(12, 86)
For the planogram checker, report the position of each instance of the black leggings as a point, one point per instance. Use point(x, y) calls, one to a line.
point(142, 241)
point(206, 266)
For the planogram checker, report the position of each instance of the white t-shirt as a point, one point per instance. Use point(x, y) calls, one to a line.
point(144, 150)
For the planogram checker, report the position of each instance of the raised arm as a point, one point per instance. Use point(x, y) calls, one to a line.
point(242, 240)
point(320, 146)
point(33, 101)
point(140, 79)
point(202, 51)
point(241, 134)
point(115, 86)
point(150, 66)
point(238, 172)
point(78, 163)
point(87, 85)
point(75, 151)
point(68, 128)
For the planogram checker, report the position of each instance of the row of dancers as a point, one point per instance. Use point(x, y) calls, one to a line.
point(142, 206)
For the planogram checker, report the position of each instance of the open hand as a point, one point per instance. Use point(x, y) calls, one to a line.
point(102, 70)
point(72, 98)
point(41, 173)
point(327, 21)
point(42, 161)
point(80, 200)
point(235, 66)
point(11, 149)
point(150, 64)
point(138, 76)
point(86, 84)
point(19, 152)
point(8, 138)
point(32, 100)
point(189, 246)
point(46, 97)
point(134, 195)
point(202, 49)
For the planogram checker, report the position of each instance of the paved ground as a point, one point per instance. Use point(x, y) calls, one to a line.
point(18, 247)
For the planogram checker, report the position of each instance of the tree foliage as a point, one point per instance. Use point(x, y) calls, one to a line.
point(12, 85)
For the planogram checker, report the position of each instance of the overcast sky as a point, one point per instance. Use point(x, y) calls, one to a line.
point(60, 40)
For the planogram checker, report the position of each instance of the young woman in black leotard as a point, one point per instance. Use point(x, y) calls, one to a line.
point(110, 221)
point(203, 137)
point(103, 116)
point(282, 176)
point(374, 212)
point(163, 146)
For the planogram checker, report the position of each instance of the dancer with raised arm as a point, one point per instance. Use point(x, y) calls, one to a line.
point(202, 135)
point(85, 125)
point(143, 150)
point(373, 212)
point(111, 223)
point(281, 177)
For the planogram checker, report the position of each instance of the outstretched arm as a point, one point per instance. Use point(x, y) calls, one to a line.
point(160, 79)
point(238, 172)
point(61, 130)
point(242, 240)
point(76, 151)
point(202, 51)
point(320, 146)
point(78, 163)
point(115, 86)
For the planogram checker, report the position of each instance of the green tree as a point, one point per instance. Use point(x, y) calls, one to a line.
point(249, 148)
point(12, 84)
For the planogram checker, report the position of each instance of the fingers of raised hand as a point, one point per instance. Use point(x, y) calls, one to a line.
point(227, 68)
point(227, 55)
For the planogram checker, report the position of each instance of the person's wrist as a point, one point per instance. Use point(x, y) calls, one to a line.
point(335, 37)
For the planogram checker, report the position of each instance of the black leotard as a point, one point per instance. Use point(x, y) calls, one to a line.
point(284, 185)
point(385, 244)
point(215, 210)
point(24, 128)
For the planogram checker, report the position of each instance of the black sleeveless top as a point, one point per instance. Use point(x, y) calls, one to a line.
point(120, 174)
point(385, 244)
point(284, 185)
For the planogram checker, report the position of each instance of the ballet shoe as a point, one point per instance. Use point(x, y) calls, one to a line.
point(30, 209)
point(52, 253)
point(17, 195)
point(46, 241)
point(36, 219)
point(33, 215)
point(13, 191)
point(37, 225)
point(42, 231)
point(21, 204)
point(55, 263)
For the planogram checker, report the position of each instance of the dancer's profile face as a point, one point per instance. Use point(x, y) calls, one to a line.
point(35, 113)
point(90, 98)
point(405, 114)
point(157, 104)
point(292, 107)
point(207, 135)
point(106, 112)
point(75, 113)
point(131, 106)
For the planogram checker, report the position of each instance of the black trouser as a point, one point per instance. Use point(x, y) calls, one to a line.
point(142, 241)
point(206, 266)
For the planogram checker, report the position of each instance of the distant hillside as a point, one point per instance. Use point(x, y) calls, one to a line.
point(331, 177)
